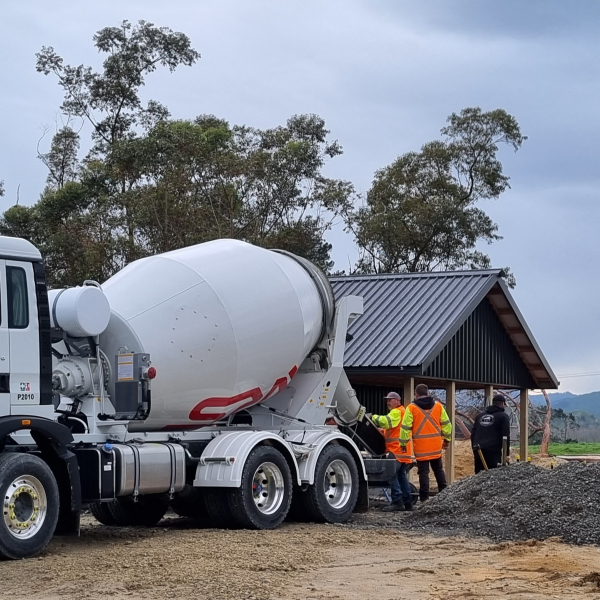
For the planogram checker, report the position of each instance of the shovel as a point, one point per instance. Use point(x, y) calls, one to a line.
point(477, 447)
point(504, 450)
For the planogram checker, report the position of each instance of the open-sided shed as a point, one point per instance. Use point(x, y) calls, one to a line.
point(458, 329)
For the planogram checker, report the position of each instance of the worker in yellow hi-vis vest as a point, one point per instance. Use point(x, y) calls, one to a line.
point(427, 423)
point(389, 425)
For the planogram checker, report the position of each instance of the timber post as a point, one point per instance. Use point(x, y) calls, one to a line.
point(451, 410)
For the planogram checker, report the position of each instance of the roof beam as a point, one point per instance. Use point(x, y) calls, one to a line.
point(526, 348)
point(515, 330)
point(504, 311)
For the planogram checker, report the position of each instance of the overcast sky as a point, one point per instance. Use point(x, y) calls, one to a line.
point(384, 74)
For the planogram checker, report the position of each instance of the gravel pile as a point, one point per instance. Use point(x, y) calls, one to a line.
point(521, 501)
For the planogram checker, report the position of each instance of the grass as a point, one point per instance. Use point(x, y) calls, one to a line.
point(569, 449)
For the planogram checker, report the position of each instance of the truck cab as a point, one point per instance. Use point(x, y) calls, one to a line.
point(25, 348)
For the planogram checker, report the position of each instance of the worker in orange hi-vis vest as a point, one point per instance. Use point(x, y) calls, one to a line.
point(389, 425)
point(427, 422)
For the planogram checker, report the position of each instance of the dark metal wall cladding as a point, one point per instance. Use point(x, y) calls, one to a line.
point(372, 397)
point(406, 315)
point(481, 351)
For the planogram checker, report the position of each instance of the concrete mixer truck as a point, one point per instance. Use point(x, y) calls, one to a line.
point(200, 379)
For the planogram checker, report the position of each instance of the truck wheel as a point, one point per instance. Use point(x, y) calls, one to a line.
point(146, 512)
point(217, 508)
point(333, 496)
point(102, 513)
point(30, 505)
point(264, 498)
point(189, 503)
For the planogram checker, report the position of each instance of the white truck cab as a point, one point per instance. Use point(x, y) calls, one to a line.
point(25, 350)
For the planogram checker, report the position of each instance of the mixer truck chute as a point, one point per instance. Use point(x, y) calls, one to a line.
point(199, 379)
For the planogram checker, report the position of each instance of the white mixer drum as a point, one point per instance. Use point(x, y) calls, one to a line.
point(79, 311)
point(226, 325)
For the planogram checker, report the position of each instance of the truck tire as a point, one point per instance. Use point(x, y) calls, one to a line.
point(263, 500)
point(189, 503)
point(30, 505)
point(102, 513)
point(217, 508)
point(333, 496)
point(146, 512)
point(297, 512)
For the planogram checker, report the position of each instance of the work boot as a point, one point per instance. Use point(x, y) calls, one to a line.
point(394, 506)
point(408, 506)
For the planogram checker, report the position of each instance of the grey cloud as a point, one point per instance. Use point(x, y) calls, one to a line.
point(384, 75)
point(528, 19)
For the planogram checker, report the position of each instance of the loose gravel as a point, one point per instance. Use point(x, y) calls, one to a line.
point(521, 501)
point(181, 560)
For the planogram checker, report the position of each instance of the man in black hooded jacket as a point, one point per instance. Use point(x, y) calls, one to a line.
point(490, 427)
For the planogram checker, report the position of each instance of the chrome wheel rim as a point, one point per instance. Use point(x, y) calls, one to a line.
point(337, 484)
point(24, 507)
point(268, 488)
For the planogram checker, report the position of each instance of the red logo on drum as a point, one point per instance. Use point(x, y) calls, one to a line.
point(243, 400)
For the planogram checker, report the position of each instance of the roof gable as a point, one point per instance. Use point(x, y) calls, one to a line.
point(409, 319)
point(483, 335)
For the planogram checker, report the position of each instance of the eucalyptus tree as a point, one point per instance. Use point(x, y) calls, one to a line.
point(423, 213)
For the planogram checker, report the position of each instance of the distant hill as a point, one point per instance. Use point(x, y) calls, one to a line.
point(589, 403)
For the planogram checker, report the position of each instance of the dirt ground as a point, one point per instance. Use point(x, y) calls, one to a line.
point(369, 558)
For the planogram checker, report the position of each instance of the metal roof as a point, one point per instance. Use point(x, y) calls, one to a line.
point(410, 317)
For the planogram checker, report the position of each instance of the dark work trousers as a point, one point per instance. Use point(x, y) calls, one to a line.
point(400, 486)
point(493, 458)
point(437, 466)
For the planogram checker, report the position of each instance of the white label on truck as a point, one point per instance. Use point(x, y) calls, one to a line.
point(125, 371)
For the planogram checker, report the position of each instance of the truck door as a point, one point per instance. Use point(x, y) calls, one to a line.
point(4, 347)
point(24, 339)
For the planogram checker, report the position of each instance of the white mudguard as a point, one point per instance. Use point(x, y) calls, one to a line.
point(309, 445)
point(223, 460)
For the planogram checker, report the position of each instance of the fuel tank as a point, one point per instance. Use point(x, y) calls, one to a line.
point(226, 324)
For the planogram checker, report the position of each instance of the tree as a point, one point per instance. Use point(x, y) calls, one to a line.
point(182, 183)
point(152, 184)
point(19, 221)
point(61, 160)
point(286, 201)
point(303, 238)
point(73, 233)
point(546, 431)
point(1, 189)
point(421, 212)
point(194, 181)
point(564, 422)
point(110, 100)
